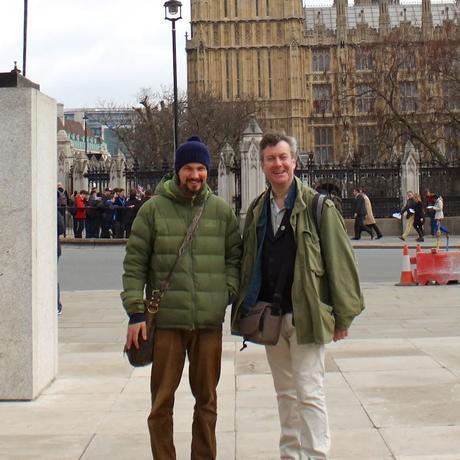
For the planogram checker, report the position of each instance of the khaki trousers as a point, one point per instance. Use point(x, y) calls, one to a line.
point(409, 225)
point(298, 376)
point(204, 350)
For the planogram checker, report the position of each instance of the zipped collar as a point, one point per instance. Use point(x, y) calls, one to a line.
point(169, 187)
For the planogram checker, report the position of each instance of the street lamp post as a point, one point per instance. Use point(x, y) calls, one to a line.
point(85, 119)
point(173, 12)
point(24, 44)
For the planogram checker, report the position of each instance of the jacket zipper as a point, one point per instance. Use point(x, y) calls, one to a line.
point(192, 205)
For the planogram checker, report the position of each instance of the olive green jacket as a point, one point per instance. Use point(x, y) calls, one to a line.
point(207, 275)
point(325, 292)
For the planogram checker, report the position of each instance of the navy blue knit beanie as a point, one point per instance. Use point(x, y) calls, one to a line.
point(192, 151)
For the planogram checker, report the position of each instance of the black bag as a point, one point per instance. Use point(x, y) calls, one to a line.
point(143, 356)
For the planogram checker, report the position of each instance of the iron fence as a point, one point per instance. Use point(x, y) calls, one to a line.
point(381, 206)
point(443, 180)
point(98, 176)
point(382, 183)
point(150, 178)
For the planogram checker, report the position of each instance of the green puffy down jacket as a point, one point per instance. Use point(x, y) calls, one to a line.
point(207, 275)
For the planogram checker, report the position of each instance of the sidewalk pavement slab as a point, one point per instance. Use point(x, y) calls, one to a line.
point(393, 387)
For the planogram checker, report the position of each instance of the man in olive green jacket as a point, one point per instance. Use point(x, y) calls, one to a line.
point(204, 282)
point(319, 293)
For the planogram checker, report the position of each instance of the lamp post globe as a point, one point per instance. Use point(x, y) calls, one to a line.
point(173, 8)
point(173, 12)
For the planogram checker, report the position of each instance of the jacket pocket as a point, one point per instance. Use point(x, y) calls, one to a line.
point(313, 253)
point(326, 330)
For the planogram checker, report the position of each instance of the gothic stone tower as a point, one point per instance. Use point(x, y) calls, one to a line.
point(241, 48)
point(309, 68)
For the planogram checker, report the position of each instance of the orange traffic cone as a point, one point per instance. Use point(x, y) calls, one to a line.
point(407, 278)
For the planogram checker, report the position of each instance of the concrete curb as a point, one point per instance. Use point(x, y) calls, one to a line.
point(93, 241)
point(366, 244)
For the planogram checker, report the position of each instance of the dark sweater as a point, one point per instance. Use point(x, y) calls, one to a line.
point(278, 256)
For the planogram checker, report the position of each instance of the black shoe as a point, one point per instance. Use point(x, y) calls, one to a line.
point(420, 240)
point(356, 238)
point(401, 238)
point(380, 236)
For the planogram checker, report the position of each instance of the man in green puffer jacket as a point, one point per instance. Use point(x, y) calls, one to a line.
point(205, 281)
point(319, 293)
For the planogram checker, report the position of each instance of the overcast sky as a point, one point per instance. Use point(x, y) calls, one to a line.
point(84, 52)
point(87, 52)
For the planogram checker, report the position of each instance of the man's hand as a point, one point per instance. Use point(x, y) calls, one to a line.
point(340, 334)
point(132, 337)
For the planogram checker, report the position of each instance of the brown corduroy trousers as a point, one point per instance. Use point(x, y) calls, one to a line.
point(204, 350)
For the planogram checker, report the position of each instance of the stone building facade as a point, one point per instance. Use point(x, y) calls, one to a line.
point(306, 65)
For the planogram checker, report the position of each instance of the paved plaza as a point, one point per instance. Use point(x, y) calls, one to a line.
point(393, 388)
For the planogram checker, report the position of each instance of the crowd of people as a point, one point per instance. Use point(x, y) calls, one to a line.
point(415, 213)
point(107, 214)
point(110, 214)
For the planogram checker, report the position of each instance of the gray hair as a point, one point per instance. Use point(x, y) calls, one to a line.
point(271, 139)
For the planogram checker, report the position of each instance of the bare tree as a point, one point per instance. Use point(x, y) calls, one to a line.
point(407, 87)
point(217, 122)
point(146, 130)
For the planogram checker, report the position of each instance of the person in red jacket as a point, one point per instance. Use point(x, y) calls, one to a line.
point(80, 213)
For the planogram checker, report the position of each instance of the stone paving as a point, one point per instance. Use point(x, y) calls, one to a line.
point(393, 388)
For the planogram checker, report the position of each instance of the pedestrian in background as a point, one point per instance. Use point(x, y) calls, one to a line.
point(108, 214)
point(320, 297)
point(192, 310)
point(146, 196)
point(335, 198)
point(63, 201)
point(430, 199)
point(92, 215)
point(80, 213)
point(369, 220)
point(359, 214)
point(132, 207)
point(409, 209)
point(120, 208)
point(73, 210)
point(60, 231)
point(419, 217)
point(439, 216)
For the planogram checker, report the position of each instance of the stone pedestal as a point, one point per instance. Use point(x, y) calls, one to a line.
point(410, 175)
point(28, 279)
point(252, 178)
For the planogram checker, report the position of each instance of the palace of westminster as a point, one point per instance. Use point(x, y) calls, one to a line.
point(302, 62)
